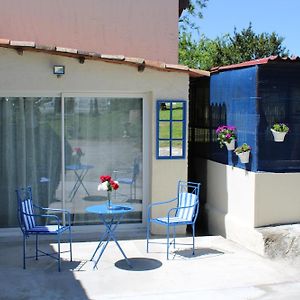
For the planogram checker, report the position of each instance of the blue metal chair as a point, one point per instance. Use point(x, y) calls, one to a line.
point(30, 223)
point(128, 176)
point(184, 212)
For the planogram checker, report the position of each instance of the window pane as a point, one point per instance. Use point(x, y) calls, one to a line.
point(177, 130)
point(177, 148)
point(30, 151)
point(103, 137)
point(164, 111)
point(164, 148)
point(177, 111)
point(164, 130)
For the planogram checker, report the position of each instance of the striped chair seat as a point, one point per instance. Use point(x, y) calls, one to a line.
point(171, 220)
point(54, 229)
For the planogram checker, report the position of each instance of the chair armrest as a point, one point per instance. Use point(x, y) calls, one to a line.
point(45, 216)
point(157, 204)
point(63, 211)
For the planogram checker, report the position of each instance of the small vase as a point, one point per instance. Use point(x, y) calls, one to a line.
point(278, 136)
point(244, 157)
point(109, 203)
point(230, 146)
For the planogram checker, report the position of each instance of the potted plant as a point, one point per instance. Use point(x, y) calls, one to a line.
point(226, 136)
point(279, 130)
point(243, 152)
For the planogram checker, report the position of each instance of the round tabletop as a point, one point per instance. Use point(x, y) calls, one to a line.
point(115, 209)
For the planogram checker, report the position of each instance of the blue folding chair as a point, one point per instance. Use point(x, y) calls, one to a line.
point(30, 223)
point(184, 212)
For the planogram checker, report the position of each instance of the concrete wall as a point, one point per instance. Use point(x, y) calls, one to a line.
point(31, 74)
point(136, 28)
point(238, 201)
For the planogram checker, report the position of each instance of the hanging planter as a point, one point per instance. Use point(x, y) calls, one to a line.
point(279, 130)
point(243, 152)
point(226, 136)
point(230, 145)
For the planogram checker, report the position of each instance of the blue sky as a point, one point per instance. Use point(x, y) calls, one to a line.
point(280, 16)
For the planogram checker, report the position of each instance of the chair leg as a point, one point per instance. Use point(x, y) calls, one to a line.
point(174, 236)
point(58, 254)
point(24, 251)
point(148, 233)
point(168, 243)
point(70, 239)
point(193, 239)
point(36, 246)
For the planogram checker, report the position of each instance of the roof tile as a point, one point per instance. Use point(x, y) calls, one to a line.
point(22, 44)
point(161, 66)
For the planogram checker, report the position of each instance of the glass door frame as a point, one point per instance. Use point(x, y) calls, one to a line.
point(147, 112)
point(146, 145)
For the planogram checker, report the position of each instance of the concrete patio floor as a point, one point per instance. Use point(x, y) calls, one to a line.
point(220, 269)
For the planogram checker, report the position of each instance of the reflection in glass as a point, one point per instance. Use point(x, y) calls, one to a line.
point(164, 148)
point(176, 148)
point(102, 135)
point(164, 130)
point(177, 130)
point(30, 151)
point(105, 135)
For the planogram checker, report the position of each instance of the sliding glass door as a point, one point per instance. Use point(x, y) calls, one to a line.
point(101, 136)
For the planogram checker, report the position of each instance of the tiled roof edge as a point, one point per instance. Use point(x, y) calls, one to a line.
point(260, 61)
point(120, 59)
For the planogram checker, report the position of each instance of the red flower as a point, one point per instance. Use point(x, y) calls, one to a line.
point(105, 178)
point(114, 184)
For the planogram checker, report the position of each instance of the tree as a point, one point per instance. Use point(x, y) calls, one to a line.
point(242, 46)
point(189, 17)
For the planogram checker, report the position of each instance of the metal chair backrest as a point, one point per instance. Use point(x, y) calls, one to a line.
point(25, 209)
point(188, 197)
point(136, 169)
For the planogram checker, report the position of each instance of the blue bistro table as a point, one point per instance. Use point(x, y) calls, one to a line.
point(111, 218)
point(80, 171)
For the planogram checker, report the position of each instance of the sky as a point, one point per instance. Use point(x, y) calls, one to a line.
point(280, 16)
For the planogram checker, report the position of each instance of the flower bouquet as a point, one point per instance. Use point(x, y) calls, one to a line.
point(226, 135)
point(108, 184)
point(77, 153)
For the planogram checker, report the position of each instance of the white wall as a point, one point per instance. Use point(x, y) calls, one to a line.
point(238, 201)
point(31, 74)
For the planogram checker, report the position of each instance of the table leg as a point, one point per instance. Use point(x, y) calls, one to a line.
point(79, 181)
point(111, 225)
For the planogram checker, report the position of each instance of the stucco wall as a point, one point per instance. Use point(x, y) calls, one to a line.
point(143, 28)
point(31, 74)
point(238, 201)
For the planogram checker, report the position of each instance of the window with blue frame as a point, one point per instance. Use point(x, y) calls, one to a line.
point(170, 129)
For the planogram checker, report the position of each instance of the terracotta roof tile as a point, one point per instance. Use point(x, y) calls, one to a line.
point(66, 50)
point(141, 63)
point(22, 44)
point(113, 57)
point(4, 42)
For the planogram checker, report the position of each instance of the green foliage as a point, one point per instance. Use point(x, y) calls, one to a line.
point(280, 127)
point(226, 50)
point(244, 148)
point(190, 16)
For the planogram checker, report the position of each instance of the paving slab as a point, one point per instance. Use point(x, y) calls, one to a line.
point(220, 269)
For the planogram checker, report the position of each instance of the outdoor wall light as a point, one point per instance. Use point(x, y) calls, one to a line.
point(58, 70)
